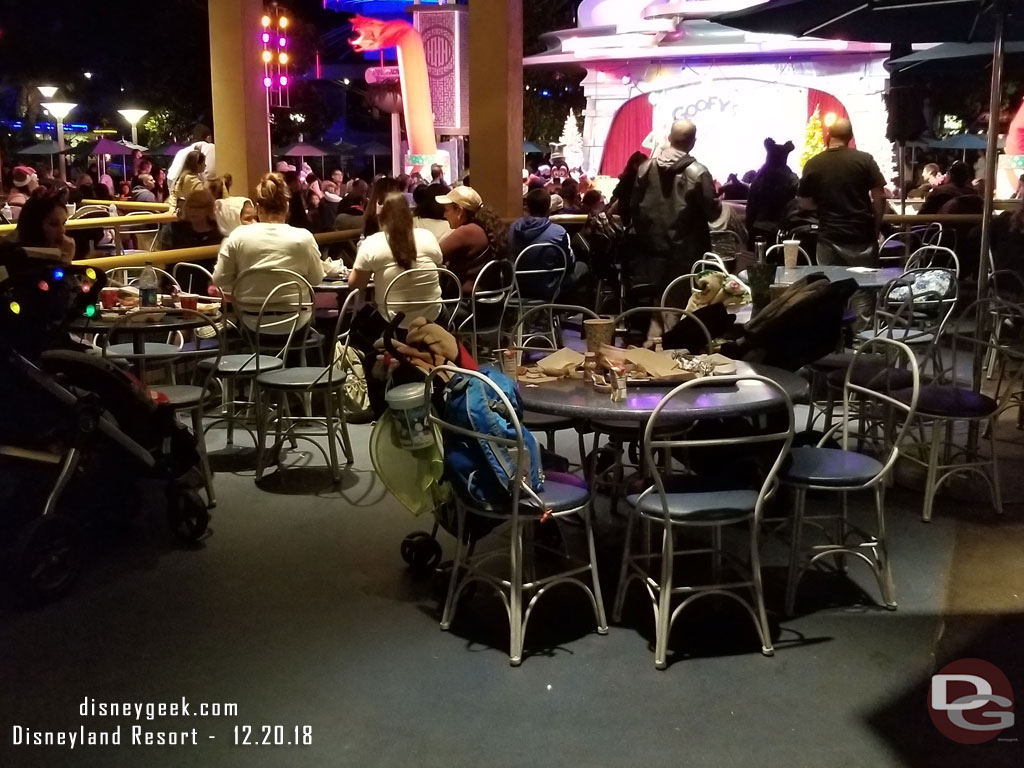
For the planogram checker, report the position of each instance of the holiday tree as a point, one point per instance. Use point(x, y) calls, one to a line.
point(814, 141)
point(571, 141)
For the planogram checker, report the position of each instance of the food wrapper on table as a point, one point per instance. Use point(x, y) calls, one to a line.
point(560, 363)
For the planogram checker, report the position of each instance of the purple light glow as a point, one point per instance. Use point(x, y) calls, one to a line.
point(282, 43)
point(265, 37)
point(284, 80)
point(266, 82)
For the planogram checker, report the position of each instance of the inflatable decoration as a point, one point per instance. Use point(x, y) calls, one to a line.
point(375, 35)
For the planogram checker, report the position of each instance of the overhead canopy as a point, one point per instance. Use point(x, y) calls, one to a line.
point(303, 150)
point(42, 148)
point(106, 146)
point(168, 150)
point(952, 52)
point(962, 141)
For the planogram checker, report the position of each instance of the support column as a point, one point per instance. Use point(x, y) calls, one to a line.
point(241, 128)
point(496, 103)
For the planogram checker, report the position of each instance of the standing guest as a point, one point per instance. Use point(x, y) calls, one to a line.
point(931, 177)
point(847, 190)
point(673, 201)
point(771, 193)
point(160, 188)
point(429, 213)
point(534, 228)
point(219, 186)
point(143, 189)
point(41, 225)
point(233, 212)
point(478, 234)
point(107, 181)
point(198, 228)
point(202, 141)
point(350, 217)
point(270, 242)
point(188, 181)
point(958, 185)
point(437, 174)
point(623, 192)
point(338, 177)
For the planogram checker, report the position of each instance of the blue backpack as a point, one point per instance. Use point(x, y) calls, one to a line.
point(478, 469)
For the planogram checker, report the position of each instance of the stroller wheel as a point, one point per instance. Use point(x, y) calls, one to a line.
point(47, 559)
point(421, 551)
point(188, 515)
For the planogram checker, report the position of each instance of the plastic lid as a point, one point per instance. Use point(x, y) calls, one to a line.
point(405, 396)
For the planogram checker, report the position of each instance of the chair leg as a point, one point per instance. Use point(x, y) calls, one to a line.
point(602, 619)
point(346, 440)
point(197, 428)
point(332, 438)
point(460, 553)
point(663, 611)
point(716, 553)
point(793, 576)
point(620, 590)
point(515, 614)
point(763, 628)
point(583, 452)
point(841, 519)
point(229, 390)
point(882, 551)
point(262, 426)
point(933, 469)
point(997, 494)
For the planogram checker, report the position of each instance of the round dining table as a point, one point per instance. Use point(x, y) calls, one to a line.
point(867, 278)
point(574, 398)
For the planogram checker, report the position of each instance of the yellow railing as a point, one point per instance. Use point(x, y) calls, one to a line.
point(162, 258)
point(131, 205)
point(107, 222)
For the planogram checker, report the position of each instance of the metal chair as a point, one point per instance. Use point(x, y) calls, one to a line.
point(802, 257)
point(441, 310)
point(552, 273)
point(933, 256)
point(949, 400)
point(327, 381)
point(193, 397)
point(129, 276)
point(89, 212)
point(703, 508)
point(519, 586)
point(272, 319)
point(843, 470)
point(898, 246)
point(144, 234)
point(493, 287)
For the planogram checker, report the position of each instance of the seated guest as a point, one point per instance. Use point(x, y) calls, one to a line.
point(958, 185)
point(25, 183)
point(198, 228)
point(41, 226)
point(233, 212)
point(733, 189)
point(931, 177)
point(327, 209)
point(350, 217)
point(570, 193)
point(478, 235)
point(297, 215)
point(429, 214)
point(536, 229)
point(397, 247)
point(219, 186)
point(270, 242)
point(1008, 241)
point(382, 187)
point(143, 189)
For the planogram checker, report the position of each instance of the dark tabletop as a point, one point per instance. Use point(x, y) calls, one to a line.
point(166, 324)
point(573, 398)
point(873, 280)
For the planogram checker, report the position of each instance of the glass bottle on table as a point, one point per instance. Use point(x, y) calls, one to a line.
point(149, 286)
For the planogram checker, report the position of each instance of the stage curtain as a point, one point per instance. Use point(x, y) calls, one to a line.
point(826, 102)
point(630, 126)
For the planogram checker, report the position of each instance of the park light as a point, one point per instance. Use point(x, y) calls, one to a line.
point(87, 75)
point(133, 116)
point(346, 81)
point(830, 118)
point(266, 82)
point(284, 80)
point(283, 22)
point(267, 56)
point(283, 58)
point(265, 21)
point(282, 42)
point(47, 91)
point(265, 37)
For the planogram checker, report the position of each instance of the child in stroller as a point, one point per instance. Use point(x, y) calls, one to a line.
point(67, 419)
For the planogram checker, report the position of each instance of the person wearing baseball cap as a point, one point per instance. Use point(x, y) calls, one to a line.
point(478, 234)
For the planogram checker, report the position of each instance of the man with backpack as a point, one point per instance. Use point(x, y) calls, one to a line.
point(672, 205)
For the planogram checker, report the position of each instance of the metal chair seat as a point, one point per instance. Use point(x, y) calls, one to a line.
point(556, 496)
point(153, 350)
point(950, 402)
point(243, 365)
point(182, 395)
point(544, 422)
point(830, 467)
point(700, 508)
point(300, 378)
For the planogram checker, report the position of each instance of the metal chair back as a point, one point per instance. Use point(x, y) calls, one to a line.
point(987, 326)
point(273, 308)
point(130, 276)
point(664, 312)
point(802, 257)
point(681, 284)
point(441, 309)
point(663, 434)
point(188, 274)
point(934, 256)
point(554, 272)
point(90, 212)
point(492, 289)
point(516, 332)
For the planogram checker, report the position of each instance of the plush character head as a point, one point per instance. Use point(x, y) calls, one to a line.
point(776, 154)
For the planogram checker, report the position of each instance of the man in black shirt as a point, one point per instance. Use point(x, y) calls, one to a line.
point(846, 188)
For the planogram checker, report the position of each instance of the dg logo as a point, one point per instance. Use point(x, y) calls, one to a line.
point(971, 701)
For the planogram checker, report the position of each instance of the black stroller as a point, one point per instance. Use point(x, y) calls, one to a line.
point(68, 418)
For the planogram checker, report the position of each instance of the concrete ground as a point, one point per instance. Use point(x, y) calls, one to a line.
point(298, 608)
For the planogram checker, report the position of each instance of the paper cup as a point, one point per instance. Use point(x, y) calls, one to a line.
point(406, 402)
point(189, 300)
point(108, 298)
point(598, 332)
point(790, 252)
point(71, 208)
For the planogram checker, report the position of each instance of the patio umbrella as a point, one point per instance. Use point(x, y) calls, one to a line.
point(303, 150)
point(902, 21)
point(50, 148)
point(107, 146)
point(373, 149)
point(529, 146)
point(962, 142)
point(952, 52)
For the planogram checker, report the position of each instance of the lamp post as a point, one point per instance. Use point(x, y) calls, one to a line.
point(133, 116)
point(47, 91)
point(60, 110)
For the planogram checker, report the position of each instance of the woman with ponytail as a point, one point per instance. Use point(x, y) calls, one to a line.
point(399, 246)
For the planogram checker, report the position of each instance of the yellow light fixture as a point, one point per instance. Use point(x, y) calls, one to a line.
point(283, 22)
point(830, 118)
point(265, 21)
point(283, 58)
point(267, 56)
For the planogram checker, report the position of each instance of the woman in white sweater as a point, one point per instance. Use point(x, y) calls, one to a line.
point(270, 242)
